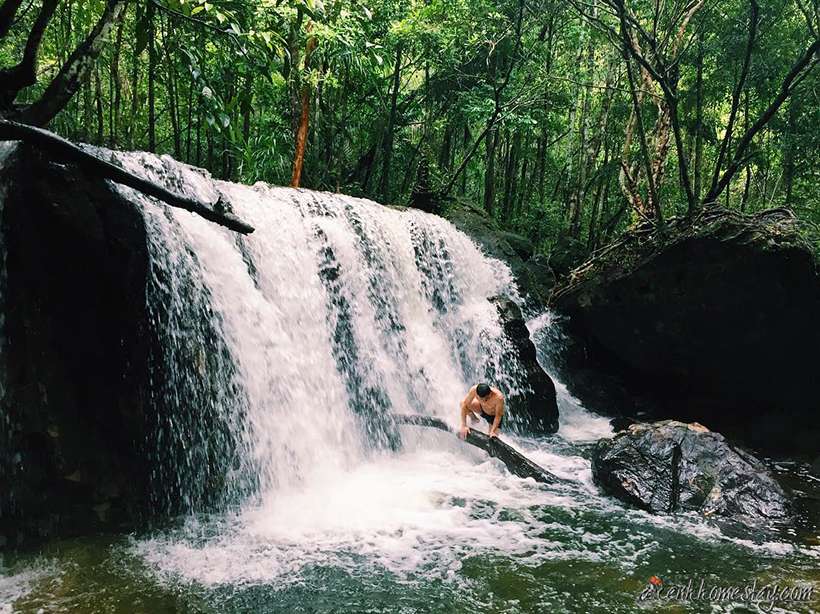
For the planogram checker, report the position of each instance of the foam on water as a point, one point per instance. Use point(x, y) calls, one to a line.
point(16, 585)
point(334, 314)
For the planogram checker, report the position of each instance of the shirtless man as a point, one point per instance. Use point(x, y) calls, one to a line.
point(484, 402)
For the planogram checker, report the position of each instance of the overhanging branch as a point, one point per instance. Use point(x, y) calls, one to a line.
point(65, 150)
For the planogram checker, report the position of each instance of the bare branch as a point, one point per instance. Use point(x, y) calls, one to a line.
point(801, 68)
point(744, 71)
point(8, 10)
point(63, 87)
point(25, 73)
point(63, 149)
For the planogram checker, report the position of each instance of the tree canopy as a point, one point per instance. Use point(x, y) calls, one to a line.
point(566, 122)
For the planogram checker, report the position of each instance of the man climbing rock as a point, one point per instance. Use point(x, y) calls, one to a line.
point(482, 401)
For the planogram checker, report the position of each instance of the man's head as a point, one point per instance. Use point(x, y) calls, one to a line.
point(482, 390)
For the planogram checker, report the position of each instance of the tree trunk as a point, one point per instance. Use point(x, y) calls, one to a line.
point(489, 171)
point(387, 142)
point(152, 69)
point(115, 90)
point(304, 116)
point(698, 121)
point(789, 152)
point(98, 105)
point(510, 174)
point(516, 463)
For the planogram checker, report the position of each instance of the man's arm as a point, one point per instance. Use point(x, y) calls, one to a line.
point(465, 409)
point(499, 413)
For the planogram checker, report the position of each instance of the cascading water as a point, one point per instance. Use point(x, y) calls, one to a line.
point(280, 358)
point(288, 350)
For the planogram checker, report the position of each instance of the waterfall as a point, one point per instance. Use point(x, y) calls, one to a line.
point(285, 352)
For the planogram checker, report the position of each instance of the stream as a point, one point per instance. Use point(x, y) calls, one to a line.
point(286, 353)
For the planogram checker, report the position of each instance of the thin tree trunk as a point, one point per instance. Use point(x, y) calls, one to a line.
point(115, 89)
point(98, 104)
point(387, 142)
point(171, 89)
point(302, 129)
point(135, 83)
point(513, 148)
point(698, 121)
point(723, 150)
point(597, 203)
point(489, 172)
point(636, 109)
point(584, 141)
point(789, 150)
point(152, 68)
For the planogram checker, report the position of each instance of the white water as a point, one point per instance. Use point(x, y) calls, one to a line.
point(336, 304)
point(271, 342)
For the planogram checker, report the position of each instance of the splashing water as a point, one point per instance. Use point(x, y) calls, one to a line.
point(284, 355)
point(333, 315)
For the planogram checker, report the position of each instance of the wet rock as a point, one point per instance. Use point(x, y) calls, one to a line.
point(75, 350)
point(622, 423)
point(85, 393)
point(567, 253)
point(537, 407)
point(718, 321)
point(670, 466)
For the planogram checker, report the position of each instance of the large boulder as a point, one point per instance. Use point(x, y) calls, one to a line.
point(96, 429)
point(532, 271)
point(717, 320)
point(669, 466)
point(535, 407)
point(75, 355)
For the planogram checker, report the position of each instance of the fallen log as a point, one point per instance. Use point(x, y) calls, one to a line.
point(516, 463)
point(66, 150)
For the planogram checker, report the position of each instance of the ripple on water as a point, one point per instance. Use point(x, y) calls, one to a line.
point(419, 515)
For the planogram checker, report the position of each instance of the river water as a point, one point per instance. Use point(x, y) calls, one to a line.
point(286, 353)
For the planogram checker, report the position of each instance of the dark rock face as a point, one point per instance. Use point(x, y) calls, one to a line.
point(532, 271)
point(94, 364)
point(537, 407)
point(76, 352)
point(670, 466)
point(720, 323)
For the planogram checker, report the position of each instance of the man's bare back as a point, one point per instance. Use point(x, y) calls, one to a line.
point(482, 401)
